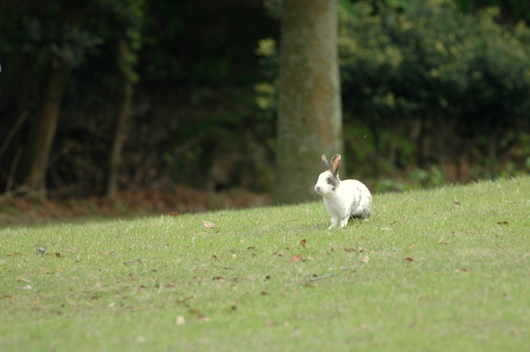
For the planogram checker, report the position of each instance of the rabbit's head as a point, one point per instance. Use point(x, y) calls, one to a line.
point(329, 181)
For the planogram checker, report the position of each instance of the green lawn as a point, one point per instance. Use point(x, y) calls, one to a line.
point(437, 270)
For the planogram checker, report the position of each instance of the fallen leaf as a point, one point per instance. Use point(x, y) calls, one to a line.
point(58, 255)
point(174, 214)
point(208, 224)
point(463, 270)
point(204, 318)
point(303, 242)
point(184, 299)
point(445, 242)
point(180, 320)
point(349, 249)
point(456, 201)
point(502, 223)
point(296, 258)
point(366, 259)
point(409, 259)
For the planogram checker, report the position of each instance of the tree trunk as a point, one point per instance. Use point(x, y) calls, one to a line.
point(309, 112)
point(35, 158)
point(120, 118)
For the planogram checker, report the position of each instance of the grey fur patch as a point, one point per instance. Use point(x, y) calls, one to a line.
point(363, 213)
point(334, 181)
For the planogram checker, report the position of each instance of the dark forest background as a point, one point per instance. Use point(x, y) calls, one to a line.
point(134, 94)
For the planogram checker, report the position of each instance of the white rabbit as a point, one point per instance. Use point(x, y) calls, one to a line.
point(343, 199)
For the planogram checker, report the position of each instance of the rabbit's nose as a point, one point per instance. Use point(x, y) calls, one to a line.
point(318, 188)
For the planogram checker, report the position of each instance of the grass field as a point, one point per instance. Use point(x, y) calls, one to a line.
point(437, 270)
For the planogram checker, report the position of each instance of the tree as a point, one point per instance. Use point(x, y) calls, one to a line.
point(57, 71)
point(125, 92)
point(52, 44)
point(124, 31)
point(309, 106)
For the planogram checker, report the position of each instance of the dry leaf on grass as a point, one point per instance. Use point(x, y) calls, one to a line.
point(296, 258)
point(208, 224)
point(463, 270)
point(180, 320)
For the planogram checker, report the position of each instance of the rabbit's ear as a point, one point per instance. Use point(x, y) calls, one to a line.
point(335, 164)
point(325, 162)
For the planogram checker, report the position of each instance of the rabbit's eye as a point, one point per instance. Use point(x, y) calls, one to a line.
point(328, 179)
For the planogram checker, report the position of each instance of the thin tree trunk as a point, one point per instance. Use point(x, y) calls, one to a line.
point(122, 114)
point(35, 158)
point(309, 111)
point(57, 72)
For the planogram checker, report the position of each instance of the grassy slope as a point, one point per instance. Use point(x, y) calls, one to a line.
point(437, 270)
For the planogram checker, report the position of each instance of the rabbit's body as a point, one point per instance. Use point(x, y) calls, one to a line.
point(342, 199)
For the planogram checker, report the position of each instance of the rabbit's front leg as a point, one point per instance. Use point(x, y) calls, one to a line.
point(343, 222)
point(334, 223)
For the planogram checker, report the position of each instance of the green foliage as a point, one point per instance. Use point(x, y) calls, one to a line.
point(438, 270)
point(427, 59)
point(120, 20)
point(512, 10)
point(41, 34)
point(423, 82)
point(420, 79)
point(500, 73)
